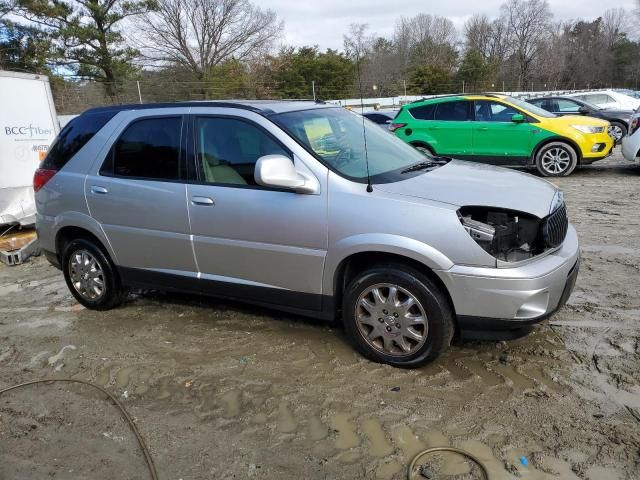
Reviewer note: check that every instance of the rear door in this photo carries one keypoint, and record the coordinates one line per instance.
(450, 129)
(496, 138)
(138, 195)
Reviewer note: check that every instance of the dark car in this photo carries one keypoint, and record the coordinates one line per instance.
(383, 118)
(619, 119)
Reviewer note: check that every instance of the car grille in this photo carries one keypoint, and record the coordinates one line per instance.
(554, 227)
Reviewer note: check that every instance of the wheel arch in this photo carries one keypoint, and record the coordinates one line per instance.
(422, 143)
(357, 262)
(69, 233)
(556, 138)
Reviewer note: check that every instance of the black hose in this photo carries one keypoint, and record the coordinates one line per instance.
(446, 449)
(143, 446)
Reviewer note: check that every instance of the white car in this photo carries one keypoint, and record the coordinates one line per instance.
(608, 99)
(631, 143)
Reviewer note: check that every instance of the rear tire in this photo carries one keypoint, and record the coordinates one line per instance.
(382, 328)
(90, 275)
(618, 131)
(425, 149)
(556, 159)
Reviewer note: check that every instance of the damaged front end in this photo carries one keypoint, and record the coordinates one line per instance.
(511, 236)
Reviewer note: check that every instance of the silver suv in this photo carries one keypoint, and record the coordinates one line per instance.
(304, 207)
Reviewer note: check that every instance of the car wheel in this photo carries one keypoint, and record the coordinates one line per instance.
(90, 275)
(424, 149)
(556, 159)
(394, 314)
(617, 131)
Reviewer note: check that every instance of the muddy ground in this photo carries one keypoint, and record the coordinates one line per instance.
(222, 390)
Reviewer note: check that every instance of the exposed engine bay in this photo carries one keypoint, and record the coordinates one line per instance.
(507, 235)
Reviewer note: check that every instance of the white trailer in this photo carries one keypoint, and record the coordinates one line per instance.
(28, 125)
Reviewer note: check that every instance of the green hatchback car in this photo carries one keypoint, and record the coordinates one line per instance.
(501, 130)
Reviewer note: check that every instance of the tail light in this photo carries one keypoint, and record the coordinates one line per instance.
(41, 177)
(395, 126)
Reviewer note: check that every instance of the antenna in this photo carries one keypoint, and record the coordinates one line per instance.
(364, 130)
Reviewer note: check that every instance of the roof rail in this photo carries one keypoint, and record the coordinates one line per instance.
(449, 95)
(204, 103)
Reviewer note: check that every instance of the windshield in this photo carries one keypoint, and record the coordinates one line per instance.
(529, 107)
(335, 135)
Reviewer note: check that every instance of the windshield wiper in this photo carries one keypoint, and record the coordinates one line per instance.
(424, 165)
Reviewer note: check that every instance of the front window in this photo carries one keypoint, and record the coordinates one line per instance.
(337, 137)
(529, 107)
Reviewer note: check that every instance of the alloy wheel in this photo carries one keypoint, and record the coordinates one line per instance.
(86, 275)
(391, 319)
(556, 160)
(615, 132)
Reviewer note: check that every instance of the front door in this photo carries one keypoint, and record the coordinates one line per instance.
(138, 197)
(497, 138)
(250, 241)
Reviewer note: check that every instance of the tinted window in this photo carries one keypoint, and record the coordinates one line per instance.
(73, 137)
(149, 149)
(489, 111)
(424, 112)
(453, 111)
(228, 150)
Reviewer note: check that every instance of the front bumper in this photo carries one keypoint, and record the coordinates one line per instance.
(513, 297)
(603, 140)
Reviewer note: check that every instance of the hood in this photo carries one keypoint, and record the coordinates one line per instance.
(463, 183)
(569, 120)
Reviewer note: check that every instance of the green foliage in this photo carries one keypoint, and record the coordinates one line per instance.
(474, 69)
(293, 70)
(24, 48)
(430, 80)
(86, 37)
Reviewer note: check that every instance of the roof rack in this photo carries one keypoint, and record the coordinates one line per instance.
(250, 105)
(449, 95)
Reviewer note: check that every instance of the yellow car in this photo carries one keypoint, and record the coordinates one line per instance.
(504, 131)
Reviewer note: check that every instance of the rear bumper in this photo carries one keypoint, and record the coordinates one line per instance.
(493, 298)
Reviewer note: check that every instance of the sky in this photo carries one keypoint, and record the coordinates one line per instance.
(323, 22)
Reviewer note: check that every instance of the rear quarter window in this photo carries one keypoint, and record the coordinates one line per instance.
(423, 112)
(73, 137)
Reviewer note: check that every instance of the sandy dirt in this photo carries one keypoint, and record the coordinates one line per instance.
(222, 390)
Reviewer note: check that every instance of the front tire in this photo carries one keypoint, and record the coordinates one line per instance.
(396, 315)
(617, 131)
(556, 159)
(90, 275)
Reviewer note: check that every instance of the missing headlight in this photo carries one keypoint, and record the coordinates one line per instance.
(505, 234)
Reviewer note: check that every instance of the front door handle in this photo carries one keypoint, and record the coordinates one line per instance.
(482, 128)
(99, 190)
(202, 201)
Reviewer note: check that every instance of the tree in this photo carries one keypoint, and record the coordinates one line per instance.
(24, 48)
(528, 23)
(199, 35)
(430, 80)
(474, 69)
(86, 35)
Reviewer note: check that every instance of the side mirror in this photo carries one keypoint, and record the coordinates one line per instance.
(517, 118)
(278, 171)
(583, 110)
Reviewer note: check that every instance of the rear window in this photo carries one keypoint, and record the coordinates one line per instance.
(456, 111)
(424, 112)
(147, 149)
(73, 137)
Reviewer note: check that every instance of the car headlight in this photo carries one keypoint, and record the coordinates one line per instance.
(507, 235)
(557, 202)
(588, 128)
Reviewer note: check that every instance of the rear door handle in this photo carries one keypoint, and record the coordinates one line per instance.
(202, 201)
(99, 190)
